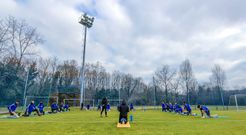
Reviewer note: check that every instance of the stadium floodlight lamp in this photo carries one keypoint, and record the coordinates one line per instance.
(87, 22)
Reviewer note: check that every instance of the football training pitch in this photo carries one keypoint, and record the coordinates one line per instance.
(151, 122)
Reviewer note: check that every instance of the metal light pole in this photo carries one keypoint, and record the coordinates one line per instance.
(87, 22)
(24, 95)
(154, 92)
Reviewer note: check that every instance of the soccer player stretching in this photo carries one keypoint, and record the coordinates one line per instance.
(12, 109)
(203, 110)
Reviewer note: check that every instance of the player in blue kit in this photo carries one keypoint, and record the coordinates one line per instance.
(12, 109)
(108, 107)
(187, 108)
(66, 107)
(203, 110)
(163, 106)
(31, 108)
(54, 108)
(178, 108)
(170, 107)
(131, 107)
(41, 107)
(61, 109)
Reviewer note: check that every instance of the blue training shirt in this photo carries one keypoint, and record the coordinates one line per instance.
(170, 106)
(187, 107)
(108, 106)
(31, 107)
(12, 107)
(163, 105)
(66, 106)
(204, 108)
(131, 106)
(41, 106)
(54, 106)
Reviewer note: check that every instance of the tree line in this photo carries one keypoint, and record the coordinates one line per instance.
(21, 68)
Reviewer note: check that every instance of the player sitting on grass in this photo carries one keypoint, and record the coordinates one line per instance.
(187, 108)
(203, 110)
(41, 107)
(123, 109)
(31, 108)
(178, 108)
(167, 107)
(61, 109)
(163, 106)
(54, 108)
(104, 105)
(66, 107)
(99, 107)
(131, 107)
(88, 107)
(12, 109)
(170, 107)
(108, 107)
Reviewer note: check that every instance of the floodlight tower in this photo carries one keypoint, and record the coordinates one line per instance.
(87, 22)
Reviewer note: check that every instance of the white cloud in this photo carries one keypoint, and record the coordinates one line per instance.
(138, 36)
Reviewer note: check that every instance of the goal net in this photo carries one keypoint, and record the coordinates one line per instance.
(237, 102)
(76, 102)
(47, 100)
(112, 102)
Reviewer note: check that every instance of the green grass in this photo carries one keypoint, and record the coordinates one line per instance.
(151, 122)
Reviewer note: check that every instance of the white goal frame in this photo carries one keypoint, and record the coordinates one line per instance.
(110, 100)
(76, 99)
(235, 96)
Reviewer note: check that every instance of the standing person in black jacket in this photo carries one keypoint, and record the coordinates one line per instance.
(123, 109)
(104, 105)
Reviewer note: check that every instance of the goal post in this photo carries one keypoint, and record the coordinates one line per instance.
(238, 100)
(45, 99)
(112, 102)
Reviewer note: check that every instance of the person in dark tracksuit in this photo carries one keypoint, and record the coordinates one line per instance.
(81, 106)
(104, 106)
(123, 109)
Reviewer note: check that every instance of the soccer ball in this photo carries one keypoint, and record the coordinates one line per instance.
(194, 114)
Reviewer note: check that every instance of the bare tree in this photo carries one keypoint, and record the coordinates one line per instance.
(22, 39)
(68, 73)
(44, 76)
(175, 87)
(164, 77)
(4, 29)
(116, 80)
(186, 75)
(217, 79)
(129, 85)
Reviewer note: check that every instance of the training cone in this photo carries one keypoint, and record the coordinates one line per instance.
(127, 125)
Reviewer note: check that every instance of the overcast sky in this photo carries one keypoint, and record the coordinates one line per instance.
(139, 36)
